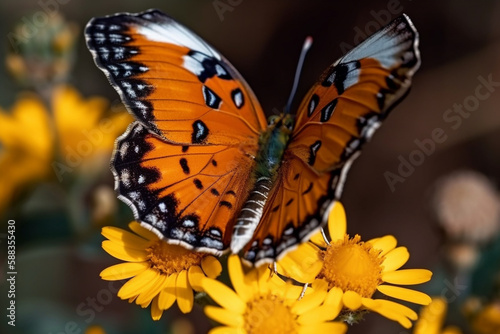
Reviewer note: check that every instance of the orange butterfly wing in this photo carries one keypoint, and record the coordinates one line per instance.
(184, 165)
(188, 194)
(337, 116)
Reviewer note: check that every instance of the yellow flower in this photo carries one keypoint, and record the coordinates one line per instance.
(488, 320)
(263, 303)
(354, 270)
(85, 128)
(159, 273)
(25, 146)
(95, 329)
(75, 134)
(432, 318)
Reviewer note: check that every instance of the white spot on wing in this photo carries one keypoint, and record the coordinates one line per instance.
(173, 33)
(141, 205)
(188, 223)
(125, 177)
(192, 65)
(123, 149)
(163, 207)
(238, 99)
(352, 77)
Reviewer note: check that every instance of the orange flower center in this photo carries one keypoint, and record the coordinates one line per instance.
(268, 314)
(352, 265)
(170, 259)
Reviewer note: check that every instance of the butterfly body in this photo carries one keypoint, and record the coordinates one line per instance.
(202, 168)
(272, 145)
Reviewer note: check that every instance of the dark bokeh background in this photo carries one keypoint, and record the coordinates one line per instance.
(460, 41)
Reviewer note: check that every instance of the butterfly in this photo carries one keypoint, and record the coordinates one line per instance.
(202, 168)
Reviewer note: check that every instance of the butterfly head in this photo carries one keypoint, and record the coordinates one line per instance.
(283, 122)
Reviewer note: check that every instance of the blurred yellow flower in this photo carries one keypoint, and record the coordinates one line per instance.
(264, 303)
(159, 273)
(75, 134)
(353, 270)
(25, 145)
(95, 329)
(432, 317)
(487, 321)
(86, 130)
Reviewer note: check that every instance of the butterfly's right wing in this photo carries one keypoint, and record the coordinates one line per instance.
(337, 117)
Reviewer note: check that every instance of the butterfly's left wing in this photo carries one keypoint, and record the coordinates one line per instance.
(338, 115)
(184, 166)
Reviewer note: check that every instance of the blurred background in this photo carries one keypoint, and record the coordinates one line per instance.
(429, 177)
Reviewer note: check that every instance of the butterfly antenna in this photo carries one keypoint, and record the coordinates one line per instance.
(305, 48)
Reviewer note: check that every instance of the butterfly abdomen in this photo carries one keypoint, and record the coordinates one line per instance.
(251, 213)
(272, 144)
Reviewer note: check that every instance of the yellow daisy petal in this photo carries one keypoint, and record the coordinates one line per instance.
(167, 296)
(293, 292)
(284, 289)
(334, 301)
(195, 276)
(123, 270)
(302, 264)
(316, 315)
(320, 284)
(337, 225)
(409, 295)
(378, 307)
(351, 300)
(309, 302)
(142, 231)
(399, 308)
(223, 295)
(123, 237)
(326, 327)
(407, 276)
(385, 244)
(143, 303)
(225, 317)
(238, 278)
(145, 297)
(263, 277)
(211, 266)
(318, 239)
(156, 313)
(395, 259)
(124, 253)
(135, 285)
(431, 317)
(184, 293)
